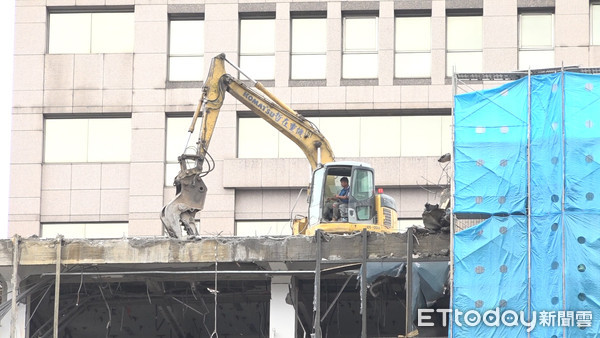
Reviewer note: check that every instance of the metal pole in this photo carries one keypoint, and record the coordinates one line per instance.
(317, 289)
(363, 285)
(452, 192)
(336, 298)
(254, 82)
(408, 310)
(529, 197)
(59, 239)
(14, 281)
(187, 272)
(562, 207)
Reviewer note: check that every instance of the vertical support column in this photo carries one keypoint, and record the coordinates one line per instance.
(363, 284)
(452, 231)
(564, 194)
(281, 313)
(409, 275)
(59, 240)
(317, 290)
(334, 41)
(15, 282)
(529, 206)
(282, 46)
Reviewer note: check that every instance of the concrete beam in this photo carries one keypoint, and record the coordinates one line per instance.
(338, 248)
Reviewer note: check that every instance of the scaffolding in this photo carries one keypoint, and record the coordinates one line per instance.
(462, 221)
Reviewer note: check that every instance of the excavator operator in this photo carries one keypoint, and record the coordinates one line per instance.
(337, 206)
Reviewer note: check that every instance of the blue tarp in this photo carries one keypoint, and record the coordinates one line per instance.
(553, 239)
(490, 153)
(490, 272)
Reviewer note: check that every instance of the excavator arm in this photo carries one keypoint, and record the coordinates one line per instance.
(190, 189)
(263, 103)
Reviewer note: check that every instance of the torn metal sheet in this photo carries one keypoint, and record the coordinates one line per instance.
(429, 280)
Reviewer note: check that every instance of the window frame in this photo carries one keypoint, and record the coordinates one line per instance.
(175, 18)
(535, 49)
(398, 51)
(320, 16)
(47, 118)
(520, 42)
(463, 51)
(359, 52)
(89, 10)
(170, 162)
(594, 41)
(244, 55)
(366, 145)
(248, 222)
(85, 230)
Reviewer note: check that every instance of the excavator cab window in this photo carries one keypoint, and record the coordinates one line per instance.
(363, 194)
(317, 190)
(333, 186)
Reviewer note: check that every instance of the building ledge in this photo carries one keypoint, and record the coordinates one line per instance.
(288, 249)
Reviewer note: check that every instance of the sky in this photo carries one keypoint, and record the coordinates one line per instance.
(7, 21)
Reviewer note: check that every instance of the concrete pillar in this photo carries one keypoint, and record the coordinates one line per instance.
(282, 319)
(21, 317)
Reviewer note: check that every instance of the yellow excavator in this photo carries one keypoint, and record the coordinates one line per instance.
(362, 207)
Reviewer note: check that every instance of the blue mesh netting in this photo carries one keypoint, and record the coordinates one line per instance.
(560, 248)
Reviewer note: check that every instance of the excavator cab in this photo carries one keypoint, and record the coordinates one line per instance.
(365, 208)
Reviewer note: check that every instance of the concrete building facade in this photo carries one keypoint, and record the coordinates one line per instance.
(103, 95)
(376, 70)
(134, 88)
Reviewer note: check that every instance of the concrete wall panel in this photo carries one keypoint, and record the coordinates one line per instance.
(154, 36)
(118, 71)
(34, 38)
(56, 177)
(56, 203)
(58, 71)
(87, 101)
(85, 203)
(115, 176)
(85, 176)
(572, 30)
(114, 202)
(89, 70)
(150, 71)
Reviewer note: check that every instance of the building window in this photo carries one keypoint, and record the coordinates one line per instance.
(177, 136)
(359, 60)
(186, 50)
(82, 33)
(413, 47)
(259, 139)
(595, 23)
(263, 228)
(257, 48)
(87, 140)
(376, 136)
(85, 230)
(536, 40)
(309, 48)
(464, 44)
